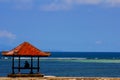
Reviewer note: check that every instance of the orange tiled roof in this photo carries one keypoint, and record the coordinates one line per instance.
(25, 49)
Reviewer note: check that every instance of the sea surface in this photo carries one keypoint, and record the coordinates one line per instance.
(71, 64)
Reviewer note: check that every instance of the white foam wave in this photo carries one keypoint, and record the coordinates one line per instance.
(65, 58)
(95, 60)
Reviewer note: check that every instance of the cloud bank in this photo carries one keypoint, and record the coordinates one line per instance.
(69, 4)
(52, 5)
(6, 34)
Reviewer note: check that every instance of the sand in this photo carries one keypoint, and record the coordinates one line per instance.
(58, 78)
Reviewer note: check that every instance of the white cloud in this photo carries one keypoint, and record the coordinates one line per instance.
(98, 42)
(68, 4)
(82, 1)
(6, 34)
(51, 5)
(113, 3)
(92, 2)
(56, 5)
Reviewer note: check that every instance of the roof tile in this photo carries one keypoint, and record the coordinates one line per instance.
(25, 49)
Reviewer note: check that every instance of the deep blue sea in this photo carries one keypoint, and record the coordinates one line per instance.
(71, 64)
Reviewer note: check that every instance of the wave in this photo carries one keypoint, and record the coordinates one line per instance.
(83, 60)
(65, 58)
(99, 61)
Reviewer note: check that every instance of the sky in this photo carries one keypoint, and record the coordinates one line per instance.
(61, 25)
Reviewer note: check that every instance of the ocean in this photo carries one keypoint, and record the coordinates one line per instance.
(71, 64)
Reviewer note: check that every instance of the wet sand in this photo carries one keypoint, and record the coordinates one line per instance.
(58, 78)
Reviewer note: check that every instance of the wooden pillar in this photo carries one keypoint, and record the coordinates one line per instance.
(31, 65)
(38, 65)
(13, 65)
(19, 65)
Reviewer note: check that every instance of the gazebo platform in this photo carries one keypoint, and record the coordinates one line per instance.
(25, 75)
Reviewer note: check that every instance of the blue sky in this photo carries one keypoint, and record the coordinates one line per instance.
(61, 25)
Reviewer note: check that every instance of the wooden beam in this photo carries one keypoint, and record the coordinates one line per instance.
(19, 65)
(13, 65)
(38, 65)
(31, 65)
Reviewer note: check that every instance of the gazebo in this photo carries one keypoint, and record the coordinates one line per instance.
(25, 50)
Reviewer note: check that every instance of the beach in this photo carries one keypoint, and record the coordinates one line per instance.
(58, 78)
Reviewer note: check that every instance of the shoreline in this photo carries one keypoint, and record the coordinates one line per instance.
(59, 78)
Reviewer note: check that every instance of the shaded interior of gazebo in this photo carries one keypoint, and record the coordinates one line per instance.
(25, 50)
(19, 67)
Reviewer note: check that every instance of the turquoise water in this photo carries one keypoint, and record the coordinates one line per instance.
(71, 64)
(82, 68)
(70, 67)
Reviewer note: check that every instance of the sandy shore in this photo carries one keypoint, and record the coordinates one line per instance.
(58, 78)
